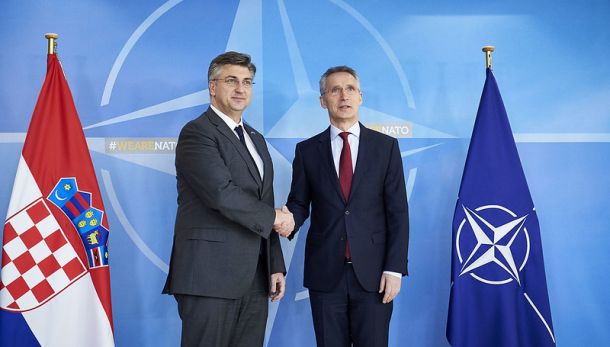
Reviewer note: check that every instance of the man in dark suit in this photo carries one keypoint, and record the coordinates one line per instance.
(225, 260)
(356, 250)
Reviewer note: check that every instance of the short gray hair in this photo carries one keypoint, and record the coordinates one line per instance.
(332, 70)
(230, 58)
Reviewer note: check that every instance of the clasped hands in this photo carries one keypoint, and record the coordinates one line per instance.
(284, 221)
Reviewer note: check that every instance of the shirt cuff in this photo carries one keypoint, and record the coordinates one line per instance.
(392, 273)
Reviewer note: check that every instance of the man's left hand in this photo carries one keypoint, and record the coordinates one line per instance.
(390, 286)
(277, 286)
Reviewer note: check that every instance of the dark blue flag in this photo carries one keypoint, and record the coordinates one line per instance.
(498, 286)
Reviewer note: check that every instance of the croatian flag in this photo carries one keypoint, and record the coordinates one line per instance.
(498, 286)
(54, 279)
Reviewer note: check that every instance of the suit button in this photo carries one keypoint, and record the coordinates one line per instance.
(346, 213)
(342, 238)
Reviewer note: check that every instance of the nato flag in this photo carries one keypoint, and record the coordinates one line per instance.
(498, 286)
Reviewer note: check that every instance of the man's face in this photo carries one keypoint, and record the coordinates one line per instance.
(342, 98)
(230, 99)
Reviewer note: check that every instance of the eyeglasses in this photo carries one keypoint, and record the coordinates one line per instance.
(234, 82)
(349, 90)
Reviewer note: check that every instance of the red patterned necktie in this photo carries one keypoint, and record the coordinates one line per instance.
(345, 178)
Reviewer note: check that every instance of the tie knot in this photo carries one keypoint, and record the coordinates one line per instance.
(240, 133)
(344, 135)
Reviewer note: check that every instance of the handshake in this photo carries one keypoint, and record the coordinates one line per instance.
(284, 221)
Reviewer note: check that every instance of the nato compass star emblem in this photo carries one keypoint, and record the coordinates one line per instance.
(497, 251)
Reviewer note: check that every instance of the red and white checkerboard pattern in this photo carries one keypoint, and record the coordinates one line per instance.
(37, 260)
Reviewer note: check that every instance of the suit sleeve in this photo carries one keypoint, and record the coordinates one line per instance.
(199, 162)
(277, 258)
(300, 195)
(397, 214)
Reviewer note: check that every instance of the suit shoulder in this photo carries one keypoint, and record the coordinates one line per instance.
(198, 124)
(380, 137)
(314, 139)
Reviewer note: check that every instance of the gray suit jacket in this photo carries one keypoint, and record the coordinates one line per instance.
(224, 211)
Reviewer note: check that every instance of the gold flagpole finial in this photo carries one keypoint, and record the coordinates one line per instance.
(51, 37)
(488, 50)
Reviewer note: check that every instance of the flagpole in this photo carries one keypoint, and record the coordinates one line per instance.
(51, 37)
(488, 50)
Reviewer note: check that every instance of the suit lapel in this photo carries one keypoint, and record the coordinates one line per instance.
(326, 156)
(241, 149)
(364, 158)
(263, 152)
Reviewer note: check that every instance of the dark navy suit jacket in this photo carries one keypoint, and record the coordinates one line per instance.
(375, 220)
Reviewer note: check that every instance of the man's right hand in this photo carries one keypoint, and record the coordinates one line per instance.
(284, 221)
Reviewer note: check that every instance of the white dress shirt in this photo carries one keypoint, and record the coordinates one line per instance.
(336, 145)
(249, 144)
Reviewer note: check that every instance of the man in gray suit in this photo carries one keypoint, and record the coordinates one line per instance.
(226, 261)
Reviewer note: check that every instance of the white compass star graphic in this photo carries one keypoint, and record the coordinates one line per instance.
(496, 251)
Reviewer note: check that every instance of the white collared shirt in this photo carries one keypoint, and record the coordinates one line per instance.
(336, 145)
(249, 144)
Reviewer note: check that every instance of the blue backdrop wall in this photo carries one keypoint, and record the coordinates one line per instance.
(137, 71)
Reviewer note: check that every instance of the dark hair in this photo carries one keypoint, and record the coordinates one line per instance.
(230, 58)
(332, 70)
